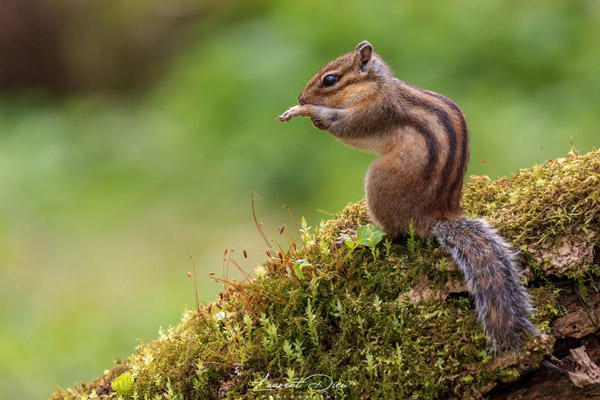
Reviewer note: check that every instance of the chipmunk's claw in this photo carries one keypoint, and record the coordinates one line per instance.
(289, 113)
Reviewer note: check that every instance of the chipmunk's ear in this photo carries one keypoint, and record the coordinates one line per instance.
(363, 51)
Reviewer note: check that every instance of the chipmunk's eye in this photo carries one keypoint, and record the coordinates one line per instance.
(330, 80)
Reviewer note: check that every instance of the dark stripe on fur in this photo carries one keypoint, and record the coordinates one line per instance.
(444, 118)
(464, 154)
(432, 145)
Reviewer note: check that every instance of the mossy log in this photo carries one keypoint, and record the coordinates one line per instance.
(393, 320)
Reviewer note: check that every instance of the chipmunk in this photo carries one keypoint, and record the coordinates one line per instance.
(422, 141)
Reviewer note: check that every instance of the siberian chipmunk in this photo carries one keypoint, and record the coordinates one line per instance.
(422, 141)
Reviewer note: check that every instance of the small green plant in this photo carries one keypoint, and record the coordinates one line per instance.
(412, 242)
(291, 377)
(298, 265)
(314, 285)
(311, 318)
(377, 303)
(287, 349)
(388, 247)
(305, 232)
(123, 384)
(198, 379)
(248, 323)
(370, 363)
(170, 393)
(269, 341)
(366, 235)
(298, 351)
(361, 322)
(338, 309)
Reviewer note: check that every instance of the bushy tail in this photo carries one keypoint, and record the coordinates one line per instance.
(492, 277)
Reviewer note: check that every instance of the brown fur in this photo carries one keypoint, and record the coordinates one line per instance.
(422, 141)
(420, 135)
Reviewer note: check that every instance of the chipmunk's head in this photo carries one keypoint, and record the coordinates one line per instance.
(350, 79)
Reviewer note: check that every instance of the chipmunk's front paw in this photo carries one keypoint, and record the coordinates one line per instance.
(318, 124)
(291, 112)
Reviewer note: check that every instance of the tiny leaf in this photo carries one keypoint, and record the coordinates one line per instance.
(369, 235)
(123, 384)
(298, 267)
(348, 241)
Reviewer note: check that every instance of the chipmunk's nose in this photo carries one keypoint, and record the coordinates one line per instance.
(301, 100)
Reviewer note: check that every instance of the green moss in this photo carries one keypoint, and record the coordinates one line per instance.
(351, 320)
(541, 206)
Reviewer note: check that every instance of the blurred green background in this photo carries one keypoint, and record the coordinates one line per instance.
(132, 136)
